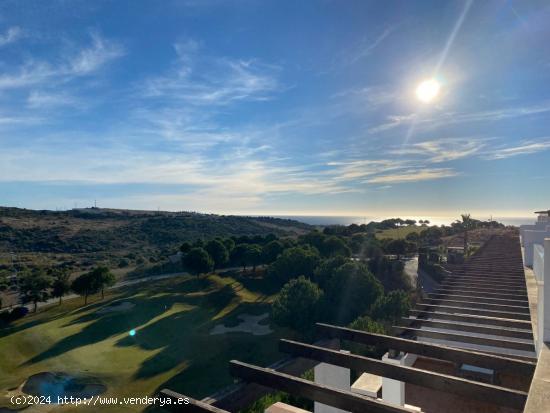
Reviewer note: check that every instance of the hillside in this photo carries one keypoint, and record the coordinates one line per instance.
(95, 233)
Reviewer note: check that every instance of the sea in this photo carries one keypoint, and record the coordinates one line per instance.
(434, 220)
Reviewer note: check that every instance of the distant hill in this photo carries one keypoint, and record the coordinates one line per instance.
(116, 232)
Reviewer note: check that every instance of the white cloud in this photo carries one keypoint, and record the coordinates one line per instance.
(526, 147)
(442, 150)
(446, 118)
(39, 99)
(357, 169)
(205, 80)
(11, 35)
(414, 175)
(92, 58)
(84, 62)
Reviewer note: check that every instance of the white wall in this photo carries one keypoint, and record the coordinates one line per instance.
(543, 293)
(531, 237)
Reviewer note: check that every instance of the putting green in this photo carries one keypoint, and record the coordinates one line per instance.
(171, 346)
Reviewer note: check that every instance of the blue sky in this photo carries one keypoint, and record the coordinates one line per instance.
(276, 107)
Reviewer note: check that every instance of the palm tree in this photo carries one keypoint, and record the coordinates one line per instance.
(466, 224)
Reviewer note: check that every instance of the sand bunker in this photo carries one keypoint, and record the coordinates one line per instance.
(56, 384)
(114, 308)
(249, 324)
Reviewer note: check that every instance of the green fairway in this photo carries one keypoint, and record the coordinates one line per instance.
(399, 233)
(172, 346)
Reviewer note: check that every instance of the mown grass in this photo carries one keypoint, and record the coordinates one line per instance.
(172, 346)
(399, 233)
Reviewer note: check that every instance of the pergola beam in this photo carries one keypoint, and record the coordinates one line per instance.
(465, 338)
(472, 318)
(489, 330)
(473, 292)
(477, 311)
(480, 299)
(437, 381)
(491, 288)
(437, 351)
(480, 305)
(331, 396)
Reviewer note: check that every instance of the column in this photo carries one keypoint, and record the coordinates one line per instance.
(393, 391)
(334, 376)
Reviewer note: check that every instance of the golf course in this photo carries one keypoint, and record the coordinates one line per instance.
(178, 333)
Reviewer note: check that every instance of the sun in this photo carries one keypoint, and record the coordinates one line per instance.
(428, 90)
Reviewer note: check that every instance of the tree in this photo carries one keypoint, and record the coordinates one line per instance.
(467, 224)
(3, 283)
(34, 286)
(198, 261)
(294, 262)
(238, 255)
(390, 273)
(323, 273)
(399, 247)
(350, 293)
(103, 278)
(271, 251)
(313, 238)
(392, 306)
(218, 252)
(185, 247)
(253, 255)
(334, 246)
(365, 323)
(85, 285)
(297, 305)
(61, 284)
(229, 244)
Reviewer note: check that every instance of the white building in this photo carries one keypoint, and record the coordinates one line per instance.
(534, 234)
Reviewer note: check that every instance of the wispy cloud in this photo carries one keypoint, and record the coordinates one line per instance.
(207, 80)
(525, 148)
(367, 46)
(11, 35)
(84, 62)
(414, 175)
(356, 169)
(92, 58)
(447, 118)
(41, 99)
(442, 150)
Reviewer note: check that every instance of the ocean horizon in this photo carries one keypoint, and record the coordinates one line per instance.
(436, 220)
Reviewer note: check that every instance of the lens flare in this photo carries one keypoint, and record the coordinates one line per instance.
(132, 333)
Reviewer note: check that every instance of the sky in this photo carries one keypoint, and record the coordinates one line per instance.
(276, 107)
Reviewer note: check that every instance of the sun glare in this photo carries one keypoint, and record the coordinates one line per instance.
(428, 90)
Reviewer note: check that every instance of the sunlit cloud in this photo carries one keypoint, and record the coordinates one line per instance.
(442, 150)
(525, 148)
(447, 118)
(414, 175)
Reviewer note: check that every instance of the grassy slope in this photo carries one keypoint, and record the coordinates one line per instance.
(172, 347)
(399, 233)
